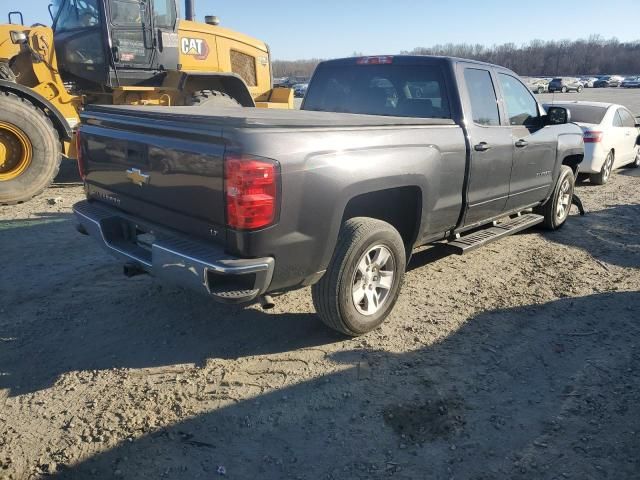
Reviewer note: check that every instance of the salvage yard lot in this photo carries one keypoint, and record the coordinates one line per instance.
(519, 360)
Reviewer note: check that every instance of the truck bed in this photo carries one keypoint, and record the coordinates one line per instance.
(263, 118)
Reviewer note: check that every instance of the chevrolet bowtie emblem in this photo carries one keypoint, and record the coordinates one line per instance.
(137, 177)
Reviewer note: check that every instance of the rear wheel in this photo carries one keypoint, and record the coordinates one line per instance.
(605, 172)
(556, 210)
(212, 99)
(564, 89)
(362, 283)
(540, 90)
(579, 90)
(29, 150)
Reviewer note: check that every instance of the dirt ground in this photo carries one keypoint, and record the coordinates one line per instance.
(520, 360)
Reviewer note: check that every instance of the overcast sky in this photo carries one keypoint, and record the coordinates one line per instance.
(332, 28)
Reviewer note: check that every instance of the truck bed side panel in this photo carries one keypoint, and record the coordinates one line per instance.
(318, 183)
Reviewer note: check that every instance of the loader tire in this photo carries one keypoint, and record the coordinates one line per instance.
(30, 150)
(213, 99)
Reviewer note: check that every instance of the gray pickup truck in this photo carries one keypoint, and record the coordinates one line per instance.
(387, 154)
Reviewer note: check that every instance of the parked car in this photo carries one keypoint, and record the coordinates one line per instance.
(300, 89)
(335, 195)
(607, 81)
(587, 82)
(564, 85)
(538, 85)
(288, 82)
(631, 82)
(611, 135)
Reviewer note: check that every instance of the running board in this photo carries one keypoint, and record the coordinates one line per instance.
(467, 243)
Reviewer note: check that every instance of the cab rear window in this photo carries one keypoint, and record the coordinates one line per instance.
(391, 90)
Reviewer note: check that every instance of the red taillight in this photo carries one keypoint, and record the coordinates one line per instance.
(251, 191)
(81, 167)
(592, 136)
(385, 60)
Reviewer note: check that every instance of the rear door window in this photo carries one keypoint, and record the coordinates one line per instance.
(482, 95)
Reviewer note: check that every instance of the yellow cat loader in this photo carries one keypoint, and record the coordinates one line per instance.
(116, 52)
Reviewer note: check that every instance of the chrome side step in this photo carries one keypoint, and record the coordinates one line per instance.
(467, 243)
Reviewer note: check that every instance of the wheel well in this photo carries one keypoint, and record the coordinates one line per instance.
(573, 161)
(59, 123)
(400, 207)
(230, 84)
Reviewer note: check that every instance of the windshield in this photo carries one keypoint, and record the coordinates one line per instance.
(75, 14)
(392, 90)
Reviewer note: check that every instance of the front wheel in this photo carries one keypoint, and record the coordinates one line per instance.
(579, 90)
(362, 283)
(636, 162)
(556, 210)
(564, 89)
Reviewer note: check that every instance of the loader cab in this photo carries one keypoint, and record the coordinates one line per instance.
(115, 42)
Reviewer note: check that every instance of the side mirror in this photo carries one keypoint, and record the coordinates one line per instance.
(17, 37)
(558, 115)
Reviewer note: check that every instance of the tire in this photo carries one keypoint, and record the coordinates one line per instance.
(579, 90)
(540, 90)
(556, 210)
(212, 98)
(636, 162)
(29, 147)
(605, 172)
(334, 297)
(564, 90)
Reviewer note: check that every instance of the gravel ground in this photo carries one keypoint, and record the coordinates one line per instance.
(518, 360)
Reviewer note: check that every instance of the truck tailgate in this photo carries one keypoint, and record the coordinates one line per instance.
(164, 165)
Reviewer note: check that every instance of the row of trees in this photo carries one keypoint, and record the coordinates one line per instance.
(593, 56)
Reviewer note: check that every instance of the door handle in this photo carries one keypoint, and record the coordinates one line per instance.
(521, 143)
(482, 147)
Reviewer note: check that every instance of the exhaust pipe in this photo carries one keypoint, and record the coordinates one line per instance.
(266, 302)
(189, 10)
(132, 270)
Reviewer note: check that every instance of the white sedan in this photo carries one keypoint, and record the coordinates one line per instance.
(611, 137)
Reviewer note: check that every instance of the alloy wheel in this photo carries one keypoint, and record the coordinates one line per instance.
(373, 279)
(564, 200)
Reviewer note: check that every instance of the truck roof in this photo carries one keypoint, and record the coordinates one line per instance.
(409, 60)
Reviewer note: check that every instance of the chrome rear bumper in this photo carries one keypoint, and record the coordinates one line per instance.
(175, 258)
